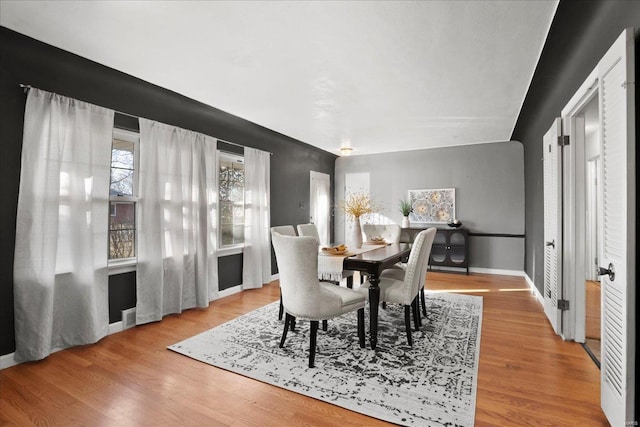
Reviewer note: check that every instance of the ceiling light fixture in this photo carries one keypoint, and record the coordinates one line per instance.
(346, 151)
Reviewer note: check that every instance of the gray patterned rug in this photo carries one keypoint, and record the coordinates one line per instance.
(432, 383)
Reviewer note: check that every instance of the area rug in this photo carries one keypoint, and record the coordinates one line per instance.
(432, 383)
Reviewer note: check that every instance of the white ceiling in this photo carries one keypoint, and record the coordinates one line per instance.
(379, 76)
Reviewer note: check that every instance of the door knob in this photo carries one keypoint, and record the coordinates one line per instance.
(611, 272)
(552, 243)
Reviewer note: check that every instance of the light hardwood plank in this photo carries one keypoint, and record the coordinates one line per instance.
(527, 375)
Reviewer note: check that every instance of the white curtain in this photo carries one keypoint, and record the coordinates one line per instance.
(256, 262)
(61, 249)
(177, 209)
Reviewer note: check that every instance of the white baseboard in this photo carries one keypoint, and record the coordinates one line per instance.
(496, 271)
(115, 327)
(239, 288)
(7, 361)
(229, 291)
(534, 290)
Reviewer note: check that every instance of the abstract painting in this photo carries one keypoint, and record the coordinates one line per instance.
(433, 206)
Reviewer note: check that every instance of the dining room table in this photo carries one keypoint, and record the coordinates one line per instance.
(372, 260)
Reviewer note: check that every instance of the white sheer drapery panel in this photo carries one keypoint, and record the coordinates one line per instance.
(256, 269)
(61, 250)
(177, 227)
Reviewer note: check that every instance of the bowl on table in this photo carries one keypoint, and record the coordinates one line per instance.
(377, 240)
(455, 223)
(334, 250)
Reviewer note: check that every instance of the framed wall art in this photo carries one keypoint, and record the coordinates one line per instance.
(432, 206)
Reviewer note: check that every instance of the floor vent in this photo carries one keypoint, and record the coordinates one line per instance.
(128, 318)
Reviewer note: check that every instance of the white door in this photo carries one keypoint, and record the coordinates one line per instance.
(319, 209)
(552, 160)
(617, 111)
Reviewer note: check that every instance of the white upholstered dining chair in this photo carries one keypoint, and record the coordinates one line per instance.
(308, 230)
(285, 230)
(397, 272)
(389, 232)
(406, 290)
(312, 231)
(304, 296)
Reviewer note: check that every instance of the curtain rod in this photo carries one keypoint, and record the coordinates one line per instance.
(26, 88)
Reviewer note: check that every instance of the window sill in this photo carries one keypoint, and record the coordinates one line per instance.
(130, 264)
(230, 250)
(122, 266)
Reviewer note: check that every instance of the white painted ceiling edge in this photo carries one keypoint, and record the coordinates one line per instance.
(376, 76)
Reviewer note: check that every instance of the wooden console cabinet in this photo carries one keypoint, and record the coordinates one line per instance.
(450, 246)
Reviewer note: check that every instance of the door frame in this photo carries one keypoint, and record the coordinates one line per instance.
(319, 176)
(574, 220)
(617, 393)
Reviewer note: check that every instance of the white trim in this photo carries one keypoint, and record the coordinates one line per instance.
(534, 289)
(574, 206)
(230, 250)
(115, 327)
(497, 271)
(229, 291)
(7, 361)
(122, 266)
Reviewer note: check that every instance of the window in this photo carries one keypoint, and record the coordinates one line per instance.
(123, 196)
(231, 200)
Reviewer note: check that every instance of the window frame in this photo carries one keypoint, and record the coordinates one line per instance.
(124, 265)
(236, 248)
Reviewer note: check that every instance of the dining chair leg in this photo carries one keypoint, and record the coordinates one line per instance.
(287, 320)
(324, 325)
(422, 301)
(407, 324)
(281, 309)
(293, 323)
(361, 327)
(312, 343)
(350, 282)
(416, 313)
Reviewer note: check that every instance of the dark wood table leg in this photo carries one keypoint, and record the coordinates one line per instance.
(374, 300)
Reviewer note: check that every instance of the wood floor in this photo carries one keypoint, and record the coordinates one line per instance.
(527, 376)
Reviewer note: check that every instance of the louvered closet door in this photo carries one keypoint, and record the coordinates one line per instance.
(552, 221)
(616, 74)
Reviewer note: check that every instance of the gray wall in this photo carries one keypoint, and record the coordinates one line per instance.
(580, 34)
(489, 183)
(25, 60)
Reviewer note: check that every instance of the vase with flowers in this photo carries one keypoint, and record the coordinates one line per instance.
(406, 209)
(354, 206)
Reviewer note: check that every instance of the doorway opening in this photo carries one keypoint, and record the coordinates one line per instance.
(593, 228)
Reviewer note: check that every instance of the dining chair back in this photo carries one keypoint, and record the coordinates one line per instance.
(389, 232)
(312, 231)
(417, 264)
(308, 230)
(303, 296)
(285, 230)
